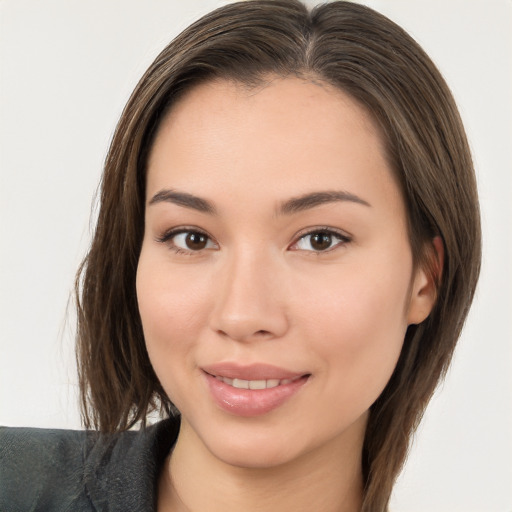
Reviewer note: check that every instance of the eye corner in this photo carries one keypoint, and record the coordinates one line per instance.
(187, 240)
(327, 240)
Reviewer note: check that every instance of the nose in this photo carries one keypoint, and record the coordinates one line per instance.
(250, 304)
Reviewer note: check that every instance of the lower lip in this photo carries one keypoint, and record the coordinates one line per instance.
(251, 402)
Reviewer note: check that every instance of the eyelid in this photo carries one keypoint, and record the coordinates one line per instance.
(337, 233)
(166, 237)
(342, 235)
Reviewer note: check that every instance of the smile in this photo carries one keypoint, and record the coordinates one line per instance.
(252, 390)
(255, 384)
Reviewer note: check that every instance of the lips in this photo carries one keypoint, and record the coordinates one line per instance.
(255, 384)
(252, 390)
(257, 371)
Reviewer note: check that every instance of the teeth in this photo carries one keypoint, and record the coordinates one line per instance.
(240, 384)
(255, 384)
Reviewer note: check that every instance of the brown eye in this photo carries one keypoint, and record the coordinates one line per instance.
(321, 241)
(196, 241)
(188, 241)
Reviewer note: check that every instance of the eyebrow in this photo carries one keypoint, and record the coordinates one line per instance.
(289, 207)
(307, 201)
(183, 199)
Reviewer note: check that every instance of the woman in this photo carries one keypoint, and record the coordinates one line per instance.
(287, 247)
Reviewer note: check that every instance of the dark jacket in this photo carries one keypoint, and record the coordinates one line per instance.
(65, 470)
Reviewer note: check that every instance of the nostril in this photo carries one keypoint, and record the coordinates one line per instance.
(262, 333)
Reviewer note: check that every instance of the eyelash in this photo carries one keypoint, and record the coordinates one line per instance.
(167, 238)
(343, 239)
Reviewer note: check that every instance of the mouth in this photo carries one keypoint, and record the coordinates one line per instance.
(252, 390)
(257, 384)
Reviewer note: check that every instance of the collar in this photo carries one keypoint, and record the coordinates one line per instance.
(121, 470)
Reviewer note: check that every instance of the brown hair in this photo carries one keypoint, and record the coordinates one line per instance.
(369, 57)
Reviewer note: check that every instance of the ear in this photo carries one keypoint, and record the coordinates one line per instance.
(425, 283)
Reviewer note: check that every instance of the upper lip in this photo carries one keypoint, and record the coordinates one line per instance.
(256, 371)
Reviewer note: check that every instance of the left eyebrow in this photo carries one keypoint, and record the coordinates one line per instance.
(311, 200)
(183, 199)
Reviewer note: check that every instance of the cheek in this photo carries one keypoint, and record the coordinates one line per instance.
(358, 326)
(173, 313)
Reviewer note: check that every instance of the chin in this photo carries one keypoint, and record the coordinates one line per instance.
(254, 446)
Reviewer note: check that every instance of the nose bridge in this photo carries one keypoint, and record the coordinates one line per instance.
(248, 304)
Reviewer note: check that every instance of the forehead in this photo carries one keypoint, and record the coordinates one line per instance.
(275, 102)
(282, 139)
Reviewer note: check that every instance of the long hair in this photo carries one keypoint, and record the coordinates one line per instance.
(380, 66)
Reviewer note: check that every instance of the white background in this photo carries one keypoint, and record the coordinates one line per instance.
(67, 68)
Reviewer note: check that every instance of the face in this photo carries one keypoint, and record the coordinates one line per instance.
(276, 281)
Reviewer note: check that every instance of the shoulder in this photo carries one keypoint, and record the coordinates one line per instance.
(53, 470)
(41, 466)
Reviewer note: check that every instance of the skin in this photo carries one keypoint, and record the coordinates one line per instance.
(260, 292)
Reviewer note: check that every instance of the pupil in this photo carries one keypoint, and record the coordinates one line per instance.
(321, 241)
(196, 241)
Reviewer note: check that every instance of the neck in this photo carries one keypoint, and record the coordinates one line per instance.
(327, 479)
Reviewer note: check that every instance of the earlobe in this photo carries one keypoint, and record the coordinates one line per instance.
(426, 282)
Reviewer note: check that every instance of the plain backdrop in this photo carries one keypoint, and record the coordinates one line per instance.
(67, 68)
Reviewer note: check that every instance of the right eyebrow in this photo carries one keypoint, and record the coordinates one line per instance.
(183, 199)
(313, 199)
